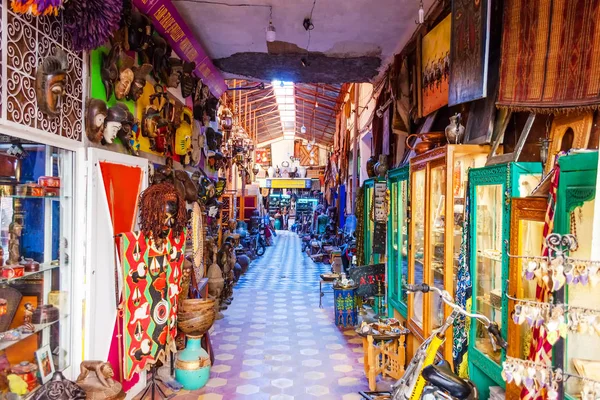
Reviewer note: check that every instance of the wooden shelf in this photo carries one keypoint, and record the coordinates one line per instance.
(38, 328)
(43, 268)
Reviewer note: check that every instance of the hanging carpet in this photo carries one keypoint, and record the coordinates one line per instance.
(152, 282)
(550, 55)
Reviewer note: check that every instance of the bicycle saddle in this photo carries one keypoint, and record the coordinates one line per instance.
(441, 376)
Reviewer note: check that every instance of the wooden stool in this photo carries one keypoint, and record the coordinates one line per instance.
(385, 355)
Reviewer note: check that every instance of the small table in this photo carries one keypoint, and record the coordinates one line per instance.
(385, 355)
(325, 278)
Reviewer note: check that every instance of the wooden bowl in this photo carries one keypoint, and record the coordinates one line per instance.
(197, 305)
(197, 326)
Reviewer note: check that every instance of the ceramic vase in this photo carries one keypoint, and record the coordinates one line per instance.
(192, 366)
(271, 172)
(301, 172)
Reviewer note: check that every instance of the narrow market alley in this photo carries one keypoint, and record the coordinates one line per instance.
(275, 342)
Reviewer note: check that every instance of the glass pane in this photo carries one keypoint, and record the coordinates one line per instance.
(35, 237)
(586, 296)
(403, 239)
(370, 226)
(418, 217)
(488, 246)
(437, 243)
(531, 235)
(394, 240)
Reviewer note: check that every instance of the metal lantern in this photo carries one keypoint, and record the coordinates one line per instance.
(227, 120)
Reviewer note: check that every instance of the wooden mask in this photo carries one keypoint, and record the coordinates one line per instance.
(50, 83)
(95, 116)
(109, 71)
(113, 123)
(176, 67)
(126, 134)
(139, 31)
(126, 77)
(188, 80)
(139, 81)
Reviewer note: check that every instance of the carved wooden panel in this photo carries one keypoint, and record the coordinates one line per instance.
(579, 123)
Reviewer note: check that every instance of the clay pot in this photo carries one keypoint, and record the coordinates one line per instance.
(215, 280)
(244, 262)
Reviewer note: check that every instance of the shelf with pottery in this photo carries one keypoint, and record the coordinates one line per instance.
(4, 344)
(43, 268)
(437, 191)
(40, 230)
(490, 192)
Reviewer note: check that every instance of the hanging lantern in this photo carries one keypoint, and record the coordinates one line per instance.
(227, 120)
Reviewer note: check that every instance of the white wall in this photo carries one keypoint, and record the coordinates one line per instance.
(282, 151)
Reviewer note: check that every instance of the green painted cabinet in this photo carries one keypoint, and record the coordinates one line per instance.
(490, 191)
(368, 223)
(397, 239)
(574, 214)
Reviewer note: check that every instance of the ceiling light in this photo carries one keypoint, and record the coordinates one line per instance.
(421, 13)
(303, 129)
(271, 35)
(316, 104)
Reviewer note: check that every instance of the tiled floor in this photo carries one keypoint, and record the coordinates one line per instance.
(276, 343)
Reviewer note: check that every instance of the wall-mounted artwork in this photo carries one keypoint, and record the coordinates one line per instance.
(469, 48)
(435, 66)
(262, 156)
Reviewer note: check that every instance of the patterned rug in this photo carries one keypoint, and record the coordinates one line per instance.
(550, 55)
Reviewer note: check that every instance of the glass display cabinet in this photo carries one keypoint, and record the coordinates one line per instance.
(575, 201)
(437, 188)
(490, 191)
(526, 239)
(36, 238)
(397, 239)
(369, 224)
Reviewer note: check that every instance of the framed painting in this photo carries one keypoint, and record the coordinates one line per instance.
(469, 50)
(435, 64)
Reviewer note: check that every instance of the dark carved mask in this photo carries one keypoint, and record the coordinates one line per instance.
(50, 83)
(126, 133)
(113, 123)
(139, 31)
(176, 73)
(139, 81)
(96, 112)
(188, 81)
(109, 70)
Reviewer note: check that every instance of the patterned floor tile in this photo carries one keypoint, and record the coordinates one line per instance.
(275, 343)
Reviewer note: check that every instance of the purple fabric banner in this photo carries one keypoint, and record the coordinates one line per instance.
(170, 25)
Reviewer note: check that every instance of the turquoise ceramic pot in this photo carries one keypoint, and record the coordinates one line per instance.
(192, 366)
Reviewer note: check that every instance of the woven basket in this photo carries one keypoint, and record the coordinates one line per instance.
(196, 305)
(197, 326)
